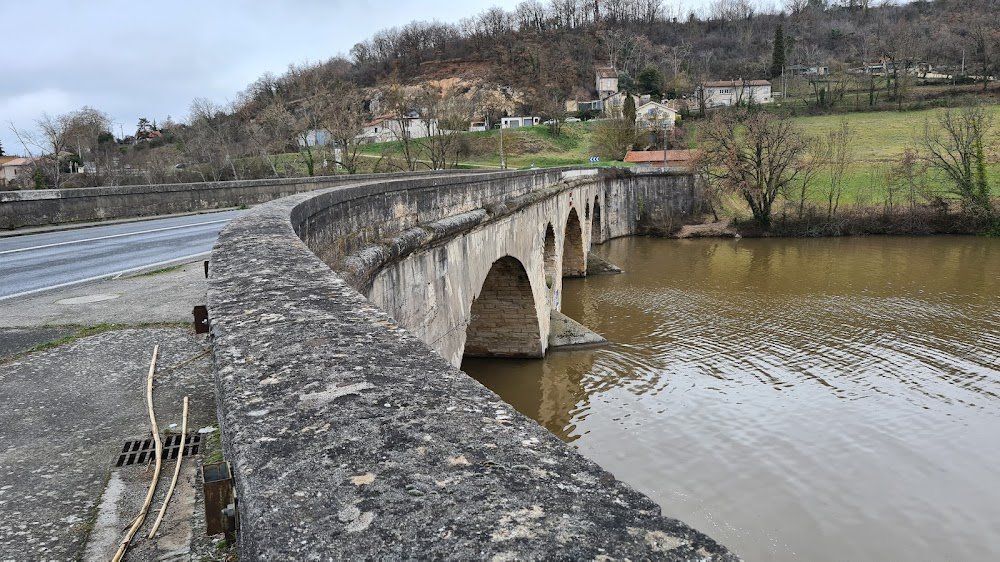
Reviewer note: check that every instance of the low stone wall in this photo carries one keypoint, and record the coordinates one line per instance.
(27, 208)
(351, 439)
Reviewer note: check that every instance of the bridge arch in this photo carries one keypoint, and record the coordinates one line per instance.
(503, 318)
(596, 234)
(574, 254)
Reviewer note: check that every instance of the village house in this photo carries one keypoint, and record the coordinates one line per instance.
(606, 87)
(389, 127)
(614, 105)
(512, 122)
(478, 126)
(655, 115)
(315, 137)
(606, 82)
(726, 93)
(807, 70)
(15, 171)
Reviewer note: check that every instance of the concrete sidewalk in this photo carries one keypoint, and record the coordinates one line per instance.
(73, 368)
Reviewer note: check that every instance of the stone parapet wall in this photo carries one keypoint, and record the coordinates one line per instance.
(351, 439)
(28, 208)
(338, 223)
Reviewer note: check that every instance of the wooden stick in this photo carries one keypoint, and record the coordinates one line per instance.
(177, 471)
(123, 546)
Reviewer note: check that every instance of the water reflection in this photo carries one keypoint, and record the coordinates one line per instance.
(797, 399)
(552, 392)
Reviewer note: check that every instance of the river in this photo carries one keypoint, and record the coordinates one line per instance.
(829, 399)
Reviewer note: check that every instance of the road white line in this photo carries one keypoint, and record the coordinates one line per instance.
(114, 274)
(112, 236)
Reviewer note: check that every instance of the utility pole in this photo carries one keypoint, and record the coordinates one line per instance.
(503, 161)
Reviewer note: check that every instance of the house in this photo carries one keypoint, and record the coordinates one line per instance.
(315, 137)
(726, 93)
(806, 70)
(606, 83)
(390, 127)
(16, 171)
(614, 104)
(511, 122)
(574, 106)
(655, 115)
(483, 125)
(677, 159)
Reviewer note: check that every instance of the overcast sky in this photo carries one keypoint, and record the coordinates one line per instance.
(134, 58)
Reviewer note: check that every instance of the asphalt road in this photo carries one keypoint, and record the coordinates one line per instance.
(40, 262)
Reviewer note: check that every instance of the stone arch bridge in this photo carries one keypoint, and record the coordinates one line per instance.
(490, 291)
(338, 319)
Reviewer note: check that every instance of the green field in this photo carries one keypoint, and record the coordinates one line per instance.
(880, 141)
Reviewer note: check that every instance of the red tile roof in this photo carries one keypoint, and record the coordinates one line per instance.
(19, 162)
(655, 157)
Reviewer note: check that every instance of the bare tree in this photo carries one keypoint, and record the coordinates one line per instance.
(345, 121)
(445, 115)
(839, 148)
(955, 146)
(51, 140)
(753, 154)
(269, 132)
(613, 138)
(815, 157)
(401, 105)
(211, 139)
(984, 40)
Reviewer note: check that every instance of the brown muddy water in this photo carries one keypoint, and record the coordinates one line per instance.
(831, 399)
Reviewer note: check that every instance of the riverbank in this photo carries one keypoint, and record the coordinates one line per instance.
(854, 221)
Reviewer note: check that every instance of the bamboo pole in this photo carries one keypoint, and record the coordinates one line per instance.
(177, 471)
(123, 546)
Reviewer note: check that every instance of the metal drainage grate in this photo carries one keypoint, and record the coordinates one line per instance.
(143, 451)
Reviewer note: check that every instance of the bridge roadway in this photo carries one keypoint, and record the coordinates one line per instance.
(39, 262)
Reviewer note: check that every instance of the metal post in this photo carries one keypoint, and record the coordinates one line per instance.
(503, 161)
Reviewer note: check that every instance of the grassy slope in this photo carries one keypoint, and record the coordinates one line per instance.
(523, 147)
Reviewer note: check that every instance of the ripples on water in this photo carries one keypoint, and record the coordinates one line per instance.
(795, 399)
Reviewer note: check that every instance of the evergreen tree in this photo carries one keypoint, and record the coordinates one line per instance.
(628, 109)
(1, 148)
(778, 55)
